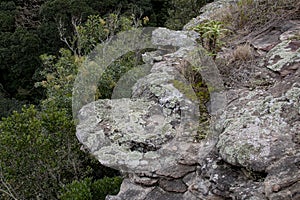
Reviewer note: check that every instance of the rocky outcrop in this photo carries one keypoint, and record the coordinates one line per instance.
(152, 136)
(252, 148)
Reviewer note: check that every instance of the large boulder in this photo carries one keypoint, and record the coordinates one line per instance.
(147, 132)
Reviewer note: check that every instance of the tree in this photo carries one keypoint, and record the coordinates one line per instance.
(20, 47)
(58, 78)
(19, 61)
(7, 16)
(39, 153)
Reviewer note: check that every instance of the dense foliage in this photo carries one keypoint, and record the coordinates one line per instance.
(39, 153)
(88, 189)
(29, 29)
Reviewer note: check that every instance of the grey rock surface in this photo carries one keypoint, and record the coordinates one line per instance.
(280, 47)
(256, 131)
(284, 55)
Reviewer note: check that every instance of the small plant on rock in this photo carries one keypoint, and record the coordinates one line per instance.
(211, 33)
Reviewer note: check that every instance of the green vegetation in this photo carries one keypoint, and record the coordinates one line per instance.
(198, 92)
(45, 26)
(115, 71)
(8, 105)
(211, 33)
(39, 152)
(42, 45)
(87, 189)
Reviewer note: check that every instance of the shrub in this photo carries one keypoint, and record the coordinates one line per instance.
(78, 190)
(59, 75)
(87, 189)
(199, 93)
(102, 187)
(7, 105)
(243, 52)
(211, 33)
(115, 71)
(39, 152)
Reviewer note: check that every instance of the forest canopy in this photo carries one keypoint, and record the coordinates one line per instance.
(31, 28)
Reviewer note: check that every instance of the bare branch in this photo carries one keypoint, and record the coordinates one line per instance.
(61, 31)
(9, 191)
(76, 22)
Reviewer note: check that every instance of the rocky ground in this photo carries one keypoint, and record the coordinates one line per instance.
(252, 149)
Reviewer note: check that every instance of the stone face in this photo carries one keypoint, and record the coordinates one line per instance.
(280, 47)
(160, 194)
(172, 185)
(145, 181)
(129, 190)
(177, 171)
(284, 55)
(135, 134)
(255, 132)
(154, 128)
(150, 135)
(286, 31)
(166, 37)
(283, 180)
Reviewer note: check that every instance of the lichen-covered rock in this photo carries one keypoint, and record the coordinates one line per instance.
(280, 47)
(256, 133)
(129, 190)
(269, 38)
(283, 180)
(156, 126)
(135, 134)
(285, 55)
(166, 37)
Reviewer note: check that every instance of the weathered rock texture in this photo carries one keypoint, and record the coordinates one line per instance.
(208, 11)
(252, 150)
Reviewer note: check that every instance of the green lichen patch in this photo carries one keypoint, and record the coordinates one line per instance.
(282, 55)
